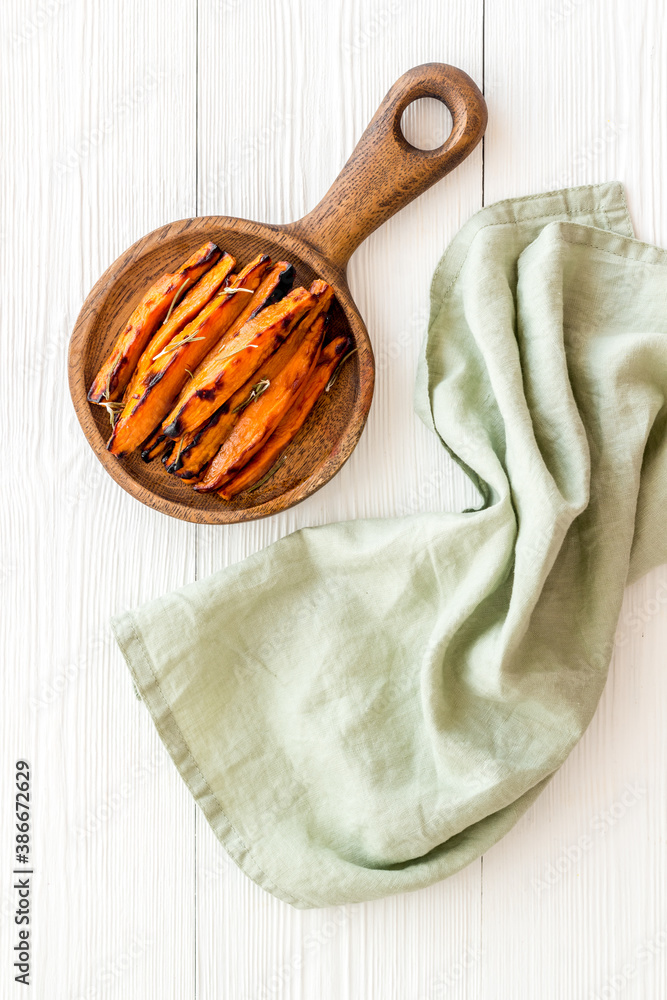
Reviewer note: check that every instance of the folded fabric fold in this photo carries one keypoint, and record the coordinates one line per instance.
(364, 708)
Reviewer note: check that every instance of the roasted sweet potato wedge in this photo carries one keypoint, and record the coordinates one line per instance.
(258, 421)
(270, 453)
(275, 285)
(172, 367)
(182, 314)
(227, 370)
(113, 377)
(199, 447)
(154, 446)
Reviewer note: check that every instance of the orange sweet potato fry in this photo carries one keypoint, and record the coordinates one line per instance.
(274, 287)
(186, 310)
(154, 446)
(171, 368)
(227, 370)
(258, 421)
(269, 454)
(111, 380)
(198, 448)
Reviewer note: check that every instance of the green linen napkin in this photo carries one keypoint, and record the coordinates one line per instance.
(364, 708)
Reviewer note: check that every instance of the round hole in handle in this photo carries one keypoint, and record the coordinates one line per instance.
(426, 123)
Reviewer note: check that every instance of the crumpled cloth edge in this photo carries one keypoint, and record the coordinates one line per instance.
(144, 675)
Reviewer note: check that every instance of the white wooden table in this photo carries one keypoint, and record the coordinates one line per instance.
(117, 118)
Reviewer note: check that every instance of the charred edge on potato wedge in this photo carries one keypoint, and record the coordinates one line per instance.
(201, 445)
(166, 375)
(263, 415)
(271, 290)
(275, 447)
(285, 280)
(224, 373)
(155, 445)
(213, 281)
(116, 371)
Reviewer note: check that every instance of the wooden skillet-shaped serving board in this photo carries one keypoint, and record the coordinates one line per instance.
(384, 173)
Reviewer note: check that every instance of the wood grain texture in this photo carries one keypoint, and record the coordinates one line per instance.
(134, 896)
(385, 172)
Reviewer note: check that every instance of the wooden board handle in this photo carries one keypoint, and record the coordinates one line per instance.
(384, 172)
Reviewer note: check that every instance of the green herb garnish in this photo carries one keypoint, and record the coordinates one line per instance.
(338, 368)
(175, 300)
(175, 344)
(254, 393)
(271, 472)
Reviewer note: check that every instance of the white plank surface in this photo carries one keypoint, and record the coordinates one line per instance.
(117, 118)
(93, 99)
